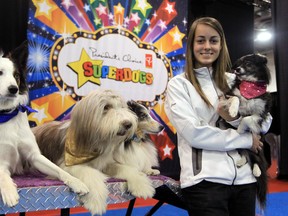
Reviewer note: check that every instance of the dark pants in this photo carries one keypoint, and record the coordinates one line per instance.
(213, 199)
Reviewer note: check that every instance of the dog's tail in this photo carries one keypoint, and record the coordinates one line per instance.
(262, 180)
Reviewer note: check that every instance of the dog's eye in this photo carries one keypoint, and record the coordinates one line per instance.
(142, 116)
(238, 69)
(17, 76)
(1, 73)
(248, 64)
(107, 107)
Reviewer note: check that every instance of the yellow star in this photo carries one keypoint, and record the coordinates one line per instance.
(92, 1)
(41, 115)
(177, 36)
(77, 67)
(44, 8)
(142, 6)
(136, 30)
(97, 21)
(119, 9)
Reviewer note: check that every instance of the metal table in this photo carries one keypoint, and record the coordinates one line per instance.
(37, 193)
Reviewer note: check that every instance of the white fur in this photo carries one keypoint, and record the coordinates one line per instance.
(134, 162)
(248, 123)
(242, 161)
(256, 170)
(100, 122)
(18, 145)
(239, 104)
(234, 103)
(8, 101)
(231, 78)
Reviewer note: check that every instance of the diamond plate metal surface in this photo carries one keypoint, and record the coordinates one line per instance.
(173, 185)
(41, 198)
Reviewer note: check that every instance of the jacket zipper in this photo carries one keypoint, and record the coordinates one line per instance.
(235, 169)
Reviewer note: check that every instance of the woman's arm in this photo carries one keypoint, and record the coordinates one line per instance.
(189, 124)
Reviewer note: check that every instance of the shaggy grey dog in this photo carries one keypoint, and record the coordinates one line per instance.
(84, 144)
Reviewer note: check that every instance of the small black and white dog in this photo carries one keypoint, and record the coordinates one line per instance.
(252, 101)
(140, 143)
(18, 147)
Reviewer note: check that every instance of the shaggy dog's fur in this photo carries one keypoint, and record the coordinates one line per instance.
(138, 156)
(19, 149)
(99, 123)
(253, 105)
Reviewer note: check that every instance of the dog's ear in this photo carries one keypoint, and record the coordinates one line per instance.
(1, 53)
(20, 56)
(131, 104)
(262, 59)
(257, 58)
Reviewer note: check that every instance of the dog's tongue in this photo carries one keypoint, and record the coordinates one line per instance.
(251, 90)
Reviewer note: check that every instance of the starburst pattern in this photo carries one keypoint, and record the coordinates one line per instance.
(159, 24)
(38, 57)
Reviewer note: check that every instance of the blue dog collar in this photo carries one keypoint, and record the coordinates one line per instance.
(5, 117)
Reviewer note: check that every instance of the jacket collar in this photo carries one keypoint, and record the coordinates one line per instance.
(203, 72)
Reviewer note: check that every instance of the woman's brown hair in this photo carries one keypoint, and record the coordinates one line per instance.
(220, 66)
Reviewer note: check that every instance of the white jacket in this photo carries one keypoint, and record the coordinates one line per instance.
(206, 152)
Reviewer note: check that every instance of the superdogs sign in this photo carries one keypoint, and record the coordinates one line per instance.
(111, 58)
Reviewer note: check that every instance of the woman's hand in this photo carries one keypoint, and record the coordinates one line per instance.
(223, 110)
(257, 145)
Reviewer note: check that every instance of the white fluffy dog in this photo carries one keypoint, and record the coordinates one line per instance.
(18, 145)
(138, 157)
(84, 145)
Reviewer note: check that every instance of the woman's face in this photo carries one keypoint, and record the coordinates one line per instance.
(206, 46)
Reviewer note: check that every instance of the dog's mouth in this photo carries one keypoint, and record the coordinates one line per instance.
(121, 132)
(155, 130)
(7, 97)
(237, 71)
(10, 96)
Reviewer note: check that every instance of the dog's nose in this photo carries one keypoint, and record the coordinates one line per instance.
(127, 124)
(13, 89)
(238, 69)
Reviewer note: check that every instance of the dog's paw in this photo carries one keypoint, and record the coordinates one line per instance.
(245, 125)
(10, 194)
(241, 162)
(152, 172)
(234, 106)
(241, 129)
(77, 186)
(231, 79)
(256, 170)
(96, 201)
(141, 187)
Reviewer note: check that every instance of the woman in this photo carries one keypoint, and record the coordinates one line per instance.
(211, 183)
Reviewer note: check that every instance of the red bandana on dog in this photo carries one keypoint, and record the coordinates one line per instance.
(251, 90)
